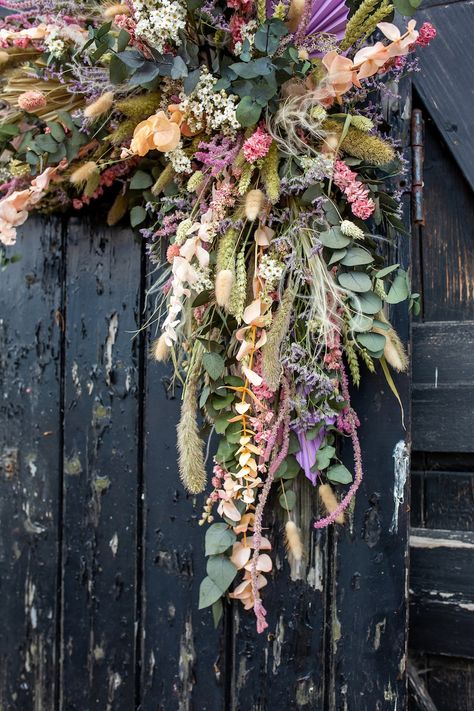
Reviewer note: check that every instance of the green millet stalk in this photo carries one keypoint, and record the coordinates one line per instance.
(239, 293)
(226, 250)
(245, 178)
(269, 173)
(353, 362)
(380, 14)
(354, 28)
(367, 360)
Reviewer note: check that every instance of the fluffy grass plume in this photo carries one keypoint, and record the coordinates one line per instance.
(160, 351)
(192, 470)
(294, 544)
(223, 286)
(330, 502)
(85, 171)
(100, 106)
(253, 204)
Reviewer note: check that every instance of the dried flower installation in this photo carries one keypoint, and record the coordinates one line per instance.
(245, 143)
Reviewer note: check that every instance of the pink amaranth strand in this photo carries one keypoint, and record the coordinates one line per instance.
(351, 418)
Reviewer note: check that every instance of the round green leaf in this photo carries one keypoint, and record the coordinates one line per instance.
(221, 571)
(219, 537)
(333, 238)
(356, 256)
(339, 474)
(386, 270)
(368, 303)
(374, 342)
(137, 215)
(209, 593)
(399, 289)
(141, 180)
(337, 255)
(288, 500)
(248, 112)
(361, 323)
(355, 281)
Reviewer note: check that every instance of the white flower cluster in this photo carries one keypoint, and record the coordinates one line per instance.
(349, 229)
(179, 160)
(54, 44)
(209, 110)
(203, 280)
(159, 22)
(247, 32)
(270, 269)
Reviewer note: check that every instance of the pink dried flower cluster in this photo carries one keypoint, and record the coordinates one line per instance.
(124, 22)
(257, 145)
(107, 179)
(32, 101)
(426, 33)
(357, 193)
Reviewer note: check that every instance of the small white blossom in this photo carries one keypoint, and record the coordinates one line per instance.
(159, 22)
(203, 279)
(179, 160)
(54, 44)
(209, 110)
(270, 269)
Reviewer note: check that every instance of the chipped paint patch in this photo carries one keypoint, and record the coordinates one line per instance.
(75, 379)
(278, 644)
(187, 657)
(113, 544)
(73, 466)
(379, 630)
(109, 345)
(401, 457)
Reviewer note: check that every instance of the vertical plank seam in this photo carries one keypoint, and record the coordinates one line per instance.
(58, 662)
(140, 602)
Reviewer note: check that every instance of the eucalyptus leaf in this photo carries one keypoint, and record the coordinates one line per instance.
(374, 342)
(356, 256)
(360, 323)
(141, 180)
(209, 593)
(399, 290)
(333, 238)
(217, 612)
(137, 215)
(221, 571)
(221, 424)
(369, 303)
(288, 500)
(337, 255)
(386, 270)
(355, 281)
(219, 538)
(214, 365)
(248, 112)
(339, 474)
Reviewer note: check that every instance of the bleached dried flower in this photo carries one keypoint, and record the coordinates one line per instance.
(293, 541)
(160, 350)
(100, 106)
(329, 500)
(223, 288)
(31, 101)
(253, 204)
(349, 229)
(84, 172)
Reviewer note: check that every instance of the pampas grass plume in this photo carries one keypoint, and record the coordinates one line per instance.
(223, 288)
(329, 500)
(83, 173)
(294, 544)
(192, 470)
(100, 106)
(253, 204)
(294, 14)
(117, 9)
(160, 350)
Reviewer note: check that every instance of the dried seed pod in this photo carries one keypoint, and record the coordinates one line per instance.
(223, 287)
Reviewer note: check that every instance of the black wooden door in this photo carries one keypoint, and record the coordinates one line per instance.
(442, 537)
(100, 550)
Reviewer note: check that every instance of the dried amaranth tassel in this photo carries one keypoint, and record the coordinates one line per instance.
(192, 470)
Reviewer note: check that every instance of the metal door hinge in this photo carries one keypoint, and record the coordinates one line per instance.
(418, 150)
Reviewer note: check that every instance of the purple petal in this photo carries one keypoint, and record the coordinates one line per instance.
(306, 457)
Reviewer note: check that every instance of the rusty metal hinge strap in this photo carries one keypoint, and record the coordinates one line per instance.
(417, 145)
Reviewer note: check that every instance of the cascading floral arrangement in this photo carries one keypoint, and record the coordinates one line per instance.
(246, 142)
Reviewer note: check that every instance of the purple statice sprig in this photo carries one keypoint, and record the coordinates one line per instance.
(218, 153)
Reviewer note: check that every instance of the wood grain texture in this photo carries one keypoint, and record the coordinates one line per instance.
(30, 440)
(370, 555)
(444, 82)
(101, 455)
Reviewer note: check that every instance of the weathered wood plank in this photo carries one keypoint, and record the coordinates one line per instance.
(450, 683)
(447, 238)
(441, 67)
(443, 418)
(184, 658)
(443, 353)
(101, 457)
(286, 666)
(442, 587)
(369, 603)
(30, 437)
(446, 500)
